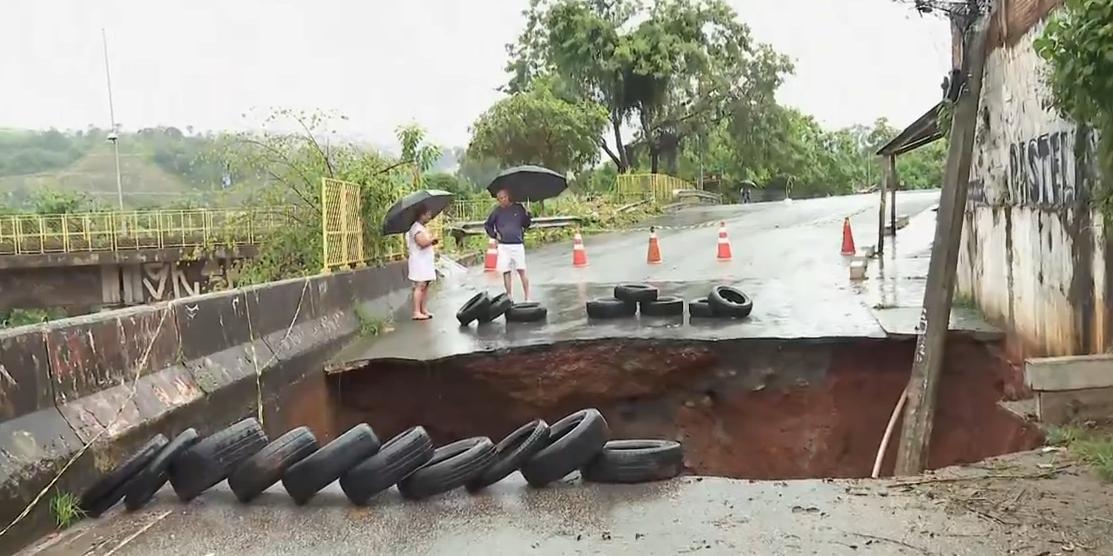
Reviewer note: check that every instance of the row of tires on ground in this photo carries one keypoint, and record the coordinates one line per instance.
(242, 454)
(721, 302)
(483, 308)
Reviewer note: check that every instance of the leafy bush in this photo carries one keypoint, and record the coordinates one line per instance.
(1078, 46)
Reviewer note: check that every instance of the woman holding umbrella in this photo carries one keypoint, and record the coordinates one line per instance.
(422, 261)
(409, 216)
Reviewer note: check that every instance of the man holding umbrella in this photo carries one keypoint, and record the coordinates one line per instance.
(509, 221)
(507, 224)
(409, 216)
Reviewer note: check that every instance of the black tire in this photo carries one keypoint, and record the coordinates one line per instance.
(399, 458)
(573, 442)
(156, 473)
(111, 487)
(663, 307)
(452, 466)
(700, 308)
(635, 293)
(266, 467)
(636, 461)
(526, 312)
(512, 452)
(731, 302)
(499, 305)
(211, 460)
(473, 309)
(308, 476)
(610, 308)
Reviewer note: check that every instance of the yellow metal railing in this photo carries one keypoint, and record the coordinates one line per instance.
(38, 234)
(341, 224)
(655, 187)
(469, 210)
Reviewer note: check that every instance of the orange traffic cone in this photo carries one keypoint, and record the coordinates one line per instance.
(724, 243)
(847, 238)
(492, 260)
(579, 255)
(654, 255)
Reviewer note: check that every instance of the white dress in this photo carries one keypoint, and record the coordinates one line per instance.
(423, 266)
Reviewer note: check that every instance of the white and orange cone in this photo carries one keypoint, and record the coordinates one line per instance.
(492, 260)
(579, 255)
(724, 253)
(654, 254)
(847, 239)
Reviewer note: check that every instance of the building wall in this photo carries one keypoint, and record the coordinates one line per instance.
(1032, 253)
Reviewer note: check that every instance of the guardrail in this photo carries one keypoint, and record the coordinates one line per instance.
(38, 234)
(460, 230)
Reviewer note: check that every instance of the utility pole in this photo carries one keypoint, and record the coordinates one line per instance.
(882, 180)
(112, 135)
(935, 319)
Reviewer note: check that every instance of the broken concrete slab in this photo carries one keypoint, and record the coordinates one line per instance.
(1067, 406)
(904, 322)
(1069, 373)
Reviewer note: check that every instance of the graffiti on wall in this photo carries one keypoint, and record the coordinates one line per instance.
(1049, 171)
(167, 280)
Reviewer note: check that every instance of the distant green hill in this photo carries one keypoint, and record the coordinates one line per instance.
(95, 175)
(158, 166)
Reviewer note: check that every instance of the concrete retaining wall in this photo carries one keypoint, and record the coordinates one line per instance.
(1033, 253)
(111, 380)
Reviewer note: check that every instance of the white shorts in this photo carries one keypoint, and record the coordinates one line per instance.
(511, 257)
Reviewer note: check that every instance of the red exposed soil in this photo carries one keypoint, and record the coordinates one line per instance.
(758, 410)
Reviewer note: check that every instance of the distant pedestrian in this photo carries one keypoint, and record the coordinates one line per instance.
(507, 225)
(422, 261)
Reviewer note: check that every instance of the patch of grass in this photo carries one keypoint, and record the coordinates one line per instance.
(369, 325)
(1065, 436)
(65, 509)
(1097, 453)
(1092, 447)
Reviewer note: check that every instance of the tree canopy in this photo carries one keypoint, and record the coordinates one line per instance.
(669, 68)
(537, 127)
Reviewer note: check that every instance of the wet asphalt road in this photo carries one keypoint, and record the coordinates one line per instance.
(690, 515)
(786, 256)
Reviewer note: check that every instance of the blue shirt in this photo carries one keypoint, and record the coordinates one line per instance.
(508, 224)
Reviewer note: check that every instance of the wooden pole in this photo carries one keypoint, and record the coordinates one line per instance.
(881, 214)
(894, 184)
(935, 319)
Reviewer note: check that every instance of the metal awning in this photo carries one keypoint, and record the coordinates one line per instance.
(923, 131)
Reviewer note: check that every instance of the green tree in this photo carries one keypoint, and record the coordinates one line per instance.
(671, 68)
(537, 127)
(291, 164)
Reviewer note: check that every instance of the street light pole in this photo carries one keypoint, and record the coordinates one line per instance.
(112, 135)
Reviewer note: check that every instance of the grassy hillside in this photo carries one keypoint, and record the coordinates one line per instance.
(158, 166)
(95, 175)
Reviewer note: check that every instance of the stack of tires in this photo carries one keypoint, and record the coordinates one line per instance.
(722, 302)
(251, 463)
(630, 299)
(484, 309)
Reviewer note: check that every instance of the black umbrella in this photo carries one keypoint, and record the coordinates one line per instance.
(403, 213)
(529, 183)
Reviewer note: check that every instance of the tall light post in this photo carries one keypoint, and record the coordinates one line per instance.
(112, 135)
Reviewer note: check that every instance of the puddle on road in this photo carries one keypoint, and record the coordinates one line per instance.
(743, 409)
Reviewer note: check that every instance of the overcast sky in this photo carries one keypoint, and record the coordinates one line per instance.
(387, 62)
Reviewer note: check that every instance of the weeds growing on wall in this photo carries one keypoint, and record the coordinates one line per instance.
(1078, 46)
